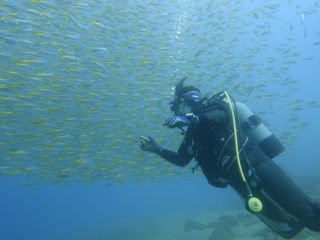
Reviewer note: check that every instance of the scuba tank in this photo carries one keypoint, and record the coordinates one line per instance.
(253, 127)
(280, 221)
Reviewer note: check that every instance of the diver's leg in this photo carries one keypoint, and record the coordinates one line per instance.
(272, 214)
(285, 192)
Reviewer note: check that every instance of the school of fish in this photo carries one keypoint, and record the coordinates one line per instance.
(81, 80)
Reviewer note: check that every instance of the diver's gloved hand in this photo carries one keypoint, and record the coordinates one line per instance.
(177, 121)
(180, 121)
(149, 145)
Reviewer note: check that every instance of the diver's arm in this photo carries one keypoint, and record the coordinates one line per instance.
(180, 158)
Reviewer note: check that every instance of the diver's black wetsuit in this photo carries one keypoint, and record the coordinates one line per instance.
(211, 143)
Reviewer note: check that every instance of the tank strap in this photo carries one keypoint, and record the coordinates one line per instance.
(224, 146)
(226, 164)
(252, 122)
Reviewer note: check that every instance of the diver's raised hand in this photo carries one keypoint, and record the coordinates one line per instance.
(149, 145)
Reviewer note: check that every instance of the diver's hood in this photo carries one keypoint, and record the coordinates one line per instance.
(190, 94)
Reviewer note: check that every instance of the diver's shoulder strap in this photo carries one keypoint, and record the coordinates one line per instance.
(217, 101)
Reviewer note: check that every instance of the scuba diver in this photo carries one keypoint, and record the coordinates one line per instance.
(234, 148)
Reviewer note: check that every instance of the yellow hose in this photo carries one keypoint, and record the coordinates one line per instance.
(254, 204)
(235, 137)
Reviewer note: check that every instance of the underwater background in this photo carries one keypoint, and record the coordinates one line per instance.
(81, 80)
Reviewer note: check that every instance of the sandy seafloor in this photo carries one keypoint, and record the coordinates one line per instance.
(200, 224)
(192, 226)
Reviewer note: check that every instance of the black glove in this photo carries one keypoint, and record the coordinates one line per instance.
(149, 145)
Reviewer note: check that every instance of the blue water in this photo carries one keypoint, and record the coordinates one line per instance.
(80, 81)
(67, 212)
